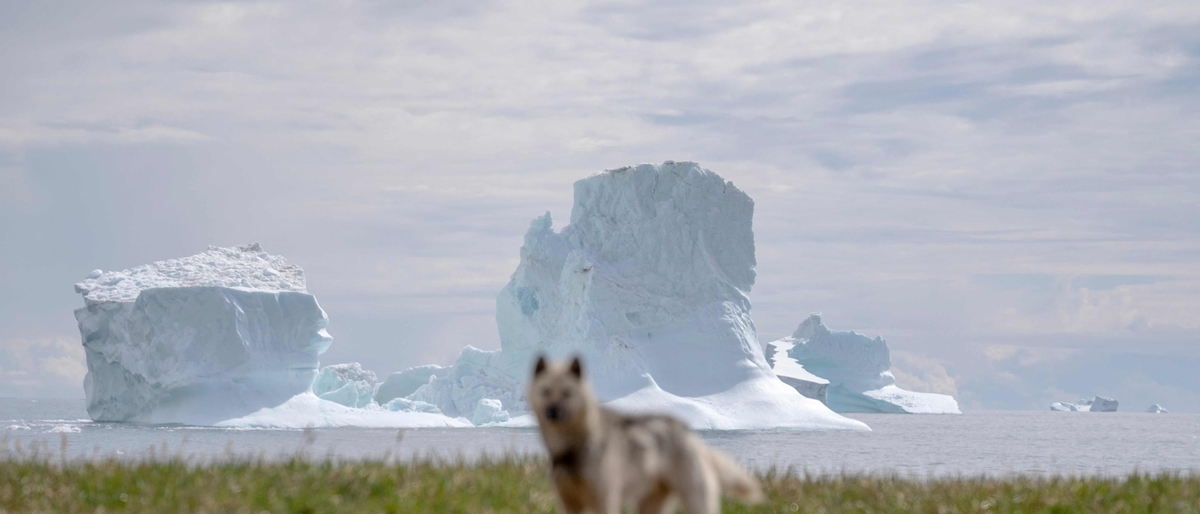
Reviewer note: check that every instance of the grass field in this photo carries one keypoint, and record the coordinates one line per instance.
(519, 484)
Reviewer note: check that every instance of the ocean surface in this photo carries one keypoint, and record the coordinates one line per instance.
(974, 443)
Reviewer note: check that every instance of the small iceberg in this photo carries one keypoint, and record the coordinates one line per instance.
(346, 384)
(848, 371)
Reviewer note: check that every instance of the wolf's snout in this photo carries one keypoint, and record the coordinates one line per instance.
(553, 413)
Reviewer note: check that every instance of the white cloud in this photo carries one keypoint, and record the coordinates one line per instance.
(26, 135)
(42, 367)
(922, 374)
(1166, 303)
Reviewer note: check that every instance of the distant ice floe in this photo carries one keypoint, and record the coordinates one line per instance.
(1096, 404)
(64, 429)
(851, 370)
(1157, 409)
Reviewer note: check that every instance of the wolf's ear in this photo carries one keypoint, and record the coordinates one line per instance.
(540, 366)
(576, 368)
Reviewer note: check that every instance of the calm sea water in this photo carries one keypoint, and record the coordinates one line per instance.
(993, 443)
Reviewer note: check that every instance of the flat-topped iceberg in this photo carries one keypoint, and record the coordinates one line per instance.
(857, 368)
(648, 284)
(200, 339)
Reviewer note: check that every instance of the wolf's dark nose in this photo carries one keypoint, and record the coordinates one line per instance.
(553, 413)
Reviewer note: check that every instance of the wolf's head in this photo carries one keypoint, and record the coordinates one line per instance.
(558, 394)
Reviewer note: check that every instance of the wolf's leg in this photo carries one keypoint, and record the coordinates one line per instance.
(563, 508)
(610, 504)
(569, 505)
(608, 497)
(698, 487)
(658, 501)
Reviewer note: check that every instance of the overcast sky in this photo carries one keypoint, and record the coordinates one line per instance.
(1007, 192)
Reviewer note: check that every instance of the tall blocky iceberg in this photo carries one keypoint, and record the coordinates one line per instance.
(200, 339)
(648, 284)
(858, 370)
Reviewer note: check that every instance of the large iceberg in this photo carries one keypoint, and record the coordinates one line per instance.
(200, 339)
(858, 370)
(648, 284)
(226, 337)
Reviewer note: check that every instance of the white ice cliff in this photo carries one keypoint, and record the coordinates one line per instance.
(226, 337)
(1103, 404)
(648, 284)
(200, 339)
(858, 369)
